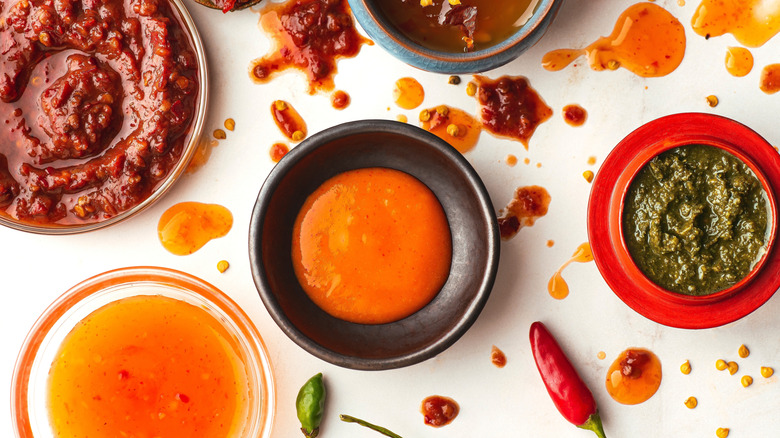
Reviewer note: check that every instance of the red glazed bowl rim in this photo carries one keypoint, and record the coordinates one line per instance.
(605, 209)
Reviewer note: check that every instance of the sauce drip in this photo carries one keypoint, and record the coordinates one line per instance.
(770, 79)
(647, 40)
(465, 133)
(634, 376)
(408, 93)
(557, 286)
(201, 155)
(752, 22)
(148, 366)
(739, 61)
(186, 227)
(371, 246)
(529, 203)
(574, 115)
(340, 100)
(510, 108)
(278, 151)
(288, 120)
(497, 357)
(439, 411)
(311, 35)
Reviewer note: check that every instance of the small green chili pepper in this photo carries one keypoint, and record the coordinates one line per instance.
(310, 404)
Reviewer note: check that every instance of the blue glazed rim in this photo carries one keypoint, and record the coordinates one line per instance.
(397, 44)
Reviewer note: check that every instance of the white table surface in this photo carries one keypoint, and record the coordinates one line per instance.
(494, 402)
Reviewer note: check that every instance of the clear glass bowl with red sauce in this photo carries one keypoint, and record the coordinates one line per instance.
(95, 129)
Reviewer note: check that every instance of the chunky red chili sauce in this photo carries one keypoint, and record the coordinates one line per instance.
(97, 100)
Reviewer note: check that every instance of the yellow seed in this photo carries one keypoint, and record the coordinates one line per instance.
(685, 368)
(454, 2)
(223, 266)
(442, 110)
(613, 64)
(401, 118)
(219, 134)
(722, 432)
(712, 100)
(733, 367)
(426, 2)
(453, 130)
(746, 381)
(691, 402)
(588, 175)
(280, 105)
(471, 89)
(230, 124)
(721, 365)
(767, 371)
(425, 115)
(298, 136)
(743, 351)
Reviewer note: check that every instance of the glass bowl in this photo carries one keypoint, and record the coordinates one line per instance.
(29, 391)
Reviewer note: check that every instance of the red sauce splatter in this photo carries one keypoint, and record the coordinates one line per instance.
(288, 120)
(575, 115)
(510, 108)
(311, 35)
(497, 357)
(439, 411)
(278, 151)
(529, 204)
(340, 100)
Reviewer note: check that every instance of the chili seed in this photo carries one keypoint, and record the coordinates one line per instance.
(298, 136)
(454, 80)
(720, 365)
(733, 367)
(442, 110)
(767, 371)
(712, 100)
(471, 89)
(746, 381)
(685, 368)
(219, 134)
(280, 105)
(722, 432)
(743, 351)
(230, 124)
(453, 130)
(425, 115)
(691, 402)
(588, 175)
(222, 266)
(613, 64)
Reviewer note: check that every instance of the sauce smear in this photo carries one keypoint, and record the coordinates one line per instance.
(634, 376)
(439, 411)
(647, 40)
(148, 366)
(408, 93)
(455, 126)
(752, 22)
(371, 246)
(186, 227)
(557, 286)
(278, 151)
(529, 203)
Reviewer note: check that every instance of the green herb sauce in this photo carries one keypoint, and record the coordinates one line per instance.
(695, 220)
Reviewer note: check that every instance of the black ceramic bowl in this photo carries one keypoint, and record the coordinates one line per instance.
(469, 211)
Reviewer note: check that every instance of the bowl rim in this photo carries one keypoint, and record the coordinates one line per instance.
(606, 235)
(192, 142)
(416, 55)
(81, 293)
(321, 139)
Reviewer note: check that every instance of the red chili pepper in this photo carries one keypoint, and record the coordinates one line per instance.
(567, 390)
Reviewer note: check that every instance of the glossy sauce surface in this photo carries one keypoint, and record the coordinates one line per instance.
(371, 246)
(752, 22)
(770, 79)
(557, 286)
(739, 61)
(634, 376)
(148, 366)
(647, 40)
(466, 128)
(529, 204)
(408, 93)
(340, 100)
(288, 120)
(439, 411)
(574, 115)
(187, 226)
(278, 151)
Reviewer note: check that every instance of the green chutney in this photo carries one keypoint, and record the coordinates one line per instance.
(695, 220)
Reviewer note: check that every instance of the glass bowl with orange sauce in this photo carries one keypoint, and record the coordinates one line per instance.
(88, 199)
(607, 227)
(374, 245)
(143, 351)
(470, 37)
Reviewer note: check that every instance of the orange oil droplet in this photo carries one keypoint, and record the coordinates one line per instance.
(408, 93)
(557, 286)
(497, 357)
(278, 151)
(528, 204)
(634, 376)
(186, 227)
(511, 160)
(288, 120)
(574, 115)
(770, 79)
(647, 40)
(601, 355)
(591, 160)
(340, 100)
(739, 61)
(465, 134)
(752, 22)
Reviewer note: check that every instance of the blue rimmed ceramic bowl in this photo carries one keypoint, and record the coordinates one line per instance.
(380, 28)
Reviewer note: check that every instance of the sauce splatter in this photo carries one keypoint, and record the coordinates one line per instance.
(591, 160)
(510, 108)
(739, 61)
(511, 160)
(647, 40)
(634, 376)
(186, 227)
(588, 175)
(601, 355)
(288, 120)
(230, 124)
(497, 357)
(340, 100)
(278, 151)
(575, 115)
(455, 126)
(439, 411)
(310, 35)
(557, 286)
(408, 93)
(770, 79)
(550, 243)
(529, 204)
(752, 22)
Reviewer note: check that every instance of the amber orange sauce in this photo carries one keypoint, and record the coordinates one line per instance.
(288, 120)
(752, 22)
(468, 128)
(340, 100)
(529, 204)
(770, 79)
(647, 40)
(634, 376)
(574, 115)
(739, 61)
(557, 286)
(371, 246)
(148, 366)
(278, 151)
(187, 226)
(408, 93)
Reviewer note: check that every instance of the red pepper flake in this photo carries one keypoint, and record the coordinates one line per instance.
(182, 397)
(122, 375)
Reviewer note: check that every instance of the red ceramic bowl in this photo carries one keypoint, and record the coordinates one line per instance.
(605, 210)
